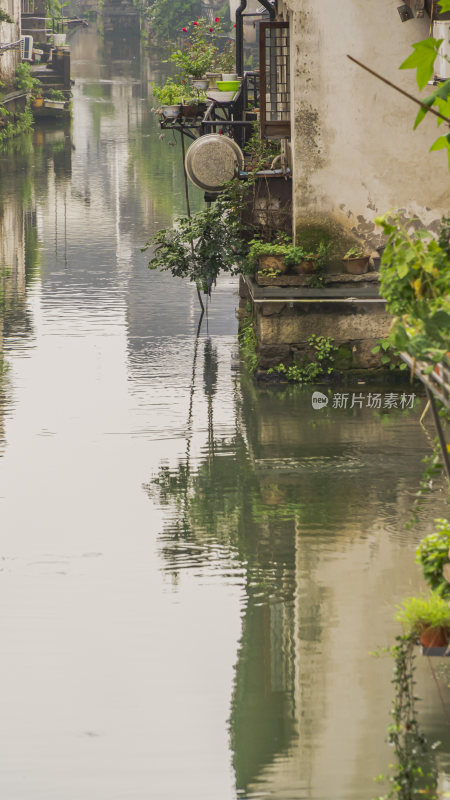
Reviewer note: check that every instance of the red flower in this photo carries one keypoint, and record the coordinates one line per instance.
(195, 23)
(184, 29)
(211, 30)
(234, 25)
(217, 19)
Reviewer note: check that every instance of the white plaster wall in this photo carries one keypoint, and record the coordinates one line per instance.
(355, 151)
(9, 33)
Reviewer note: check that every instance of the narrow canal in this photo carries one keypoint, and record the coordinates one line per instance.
(193, 570)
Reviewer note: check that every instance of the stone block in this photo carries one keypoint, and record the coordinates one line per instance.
(269, 356)
(272, 309)
(244, 291)
(352, 323)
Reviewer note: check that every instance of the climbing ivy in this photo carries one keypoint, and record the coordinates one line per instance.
(414, 773)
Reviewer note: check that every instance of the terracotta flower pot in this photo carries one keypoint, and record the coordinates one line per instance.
(305, 267)
(435, 637)
(189, 110)
(272, 262)
(357, 266)
(37, 102)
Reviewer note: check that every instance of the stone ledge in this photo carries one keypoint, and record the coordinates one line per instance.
(328, 280)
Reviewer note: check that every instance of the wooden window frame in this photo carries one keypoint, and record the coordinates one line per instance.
(278, 128)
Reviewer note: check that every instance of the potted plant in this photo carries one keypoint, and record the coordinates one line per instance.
(433, 556)
(55, 99)
(304, 261)
(284, 256)
(427, 618)
(198, 54)
(191, 102)
(225, 62)
(169, 96)
(268, 255)
(356, 260)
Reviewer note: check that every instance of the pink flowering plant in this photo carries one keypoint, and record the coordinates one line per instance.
(200, 49)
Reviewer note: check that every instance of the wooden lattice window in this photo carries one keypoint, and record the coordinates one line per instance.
(275, 95)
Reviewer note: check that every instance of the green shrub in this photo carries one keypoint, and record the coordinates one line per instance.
(432, 554)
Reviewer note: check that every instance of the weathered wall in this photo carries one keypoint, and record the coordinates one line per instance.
(284, 328)
(9, 33)
(355, 153)
(283, 332)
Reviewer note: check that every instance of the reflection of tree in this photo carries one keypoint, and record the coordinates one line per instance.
(219, 504)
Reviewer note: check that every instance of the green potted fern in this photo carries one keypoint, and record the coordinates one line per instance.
(427, 618)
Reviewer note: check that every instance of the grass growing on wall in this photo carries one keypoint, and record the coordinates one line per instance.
(248, 343)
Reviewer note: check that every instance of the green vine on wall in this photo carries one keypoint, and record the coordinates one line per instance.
(414, 775)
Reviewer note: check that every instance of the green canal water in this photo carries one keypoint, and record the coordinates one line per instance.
(193, 570)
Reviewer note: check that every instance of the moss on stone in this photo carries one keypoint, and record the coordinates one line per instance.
(343, 357)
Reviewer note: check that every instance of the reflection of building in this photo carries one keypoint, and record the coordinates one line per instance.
(12, 261)
(12, 275)
(314, 509)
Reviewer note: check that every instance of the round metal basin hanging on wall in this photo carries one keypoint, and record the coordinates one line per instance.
(212, 160)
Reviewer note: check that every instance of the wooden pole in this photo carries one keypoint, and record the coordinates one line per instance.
(188, 208)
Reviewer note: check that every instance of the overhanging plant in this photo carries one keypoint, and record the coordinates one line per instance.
(422, 59)
(432, 554)
(200, 246)
(25, 80)
(415, 282)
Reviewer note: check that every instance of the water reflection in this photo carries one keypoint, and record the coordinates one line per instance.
(129, 611)
(311, 512)
(19, 256)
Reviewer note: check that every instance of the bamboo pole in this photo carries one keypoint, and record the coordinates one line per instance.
(402, 91)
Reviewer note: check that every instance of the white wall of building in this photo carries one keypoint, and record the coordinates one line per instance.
(355, 152)
(9, 33)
